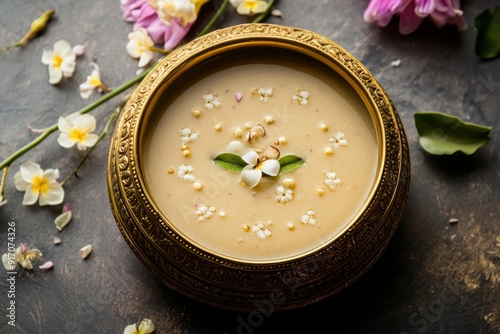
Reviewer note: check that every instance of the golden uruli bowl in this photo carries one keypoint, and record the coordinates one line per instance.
(213, 250)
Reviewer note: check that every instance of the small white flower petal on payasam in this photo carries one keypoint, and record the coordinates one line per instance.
(205, 212)
(184, 173)
(251, 158)
(188, 135)
(332, 180)
(308, 218)
(211, 101)
(250, 176)
(270, 167)
(85, 251)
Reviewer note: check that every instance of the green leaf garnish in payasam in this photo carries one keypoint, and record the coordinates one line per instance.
(289, 163)
(443, 134)
(487, 25)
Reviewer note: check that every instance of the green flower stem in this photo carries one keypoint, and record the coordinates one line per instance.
(214, 19)
(104, 132)
(2, 183)
(7, 162)
(263, 16)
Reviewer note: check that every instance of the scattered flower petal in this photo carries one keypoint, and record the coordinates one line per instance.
(238, 96)
(61, 61)
(188, 135)
(57, 241)
(283, 194)
(79, 50)
(39, 185)
(46, 265)
(64, 218)
(264, 93)
(76, 129)
(85, 251)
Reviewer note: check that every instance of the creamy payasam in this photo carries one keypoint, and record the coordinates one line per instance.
(212, 156)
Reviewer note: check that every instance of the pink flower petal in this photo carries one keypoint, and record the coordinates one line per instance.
(46, 265)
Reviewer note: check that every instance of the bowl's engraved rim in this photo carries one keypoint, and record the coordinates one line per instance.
(233, 284)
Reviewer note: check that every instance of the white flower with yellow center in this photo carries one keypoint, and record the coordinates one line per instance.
(332, 181)
(145, 327)
(188, 135)
(76, 129)
(139, 46)
(211, 101)
(61, 61)
(39, 185)
(252, 173)
(338, 139)
(205, 212)
(302, 97)
(184, 172)
(308, 218)
(93, 82)
(249, 7)
(184, 11)
(261, 231)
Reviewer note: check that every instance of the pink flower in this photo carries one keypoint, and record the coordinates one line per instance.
(413, 12)
(166, 21)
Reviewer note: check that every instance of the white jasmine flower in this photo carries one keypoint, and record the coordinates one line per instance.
(262, 231)
(302, 97)
(205, 212)
(283, 194)
(211, 101)
(93, 82)
(332, 181)
(139, 46)
(145, 327)
(252, 173)
(183, 11)
(308, 218)
(265, 93)
(61, 61)
(39, 185)
(249, 7)
(338, 140)
(184, 172)
(76, 129)
(188, 135)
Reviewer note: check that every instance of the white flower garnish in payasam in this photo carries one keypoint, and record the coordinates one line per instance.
(261, 231)
(308, 218)
(205, 212)
(338, 139)
(264, 93)
(252, 173)
(211, 101)
(332, 181)
(283, 194)
(302, 97)
(188, 135)
(184, 172)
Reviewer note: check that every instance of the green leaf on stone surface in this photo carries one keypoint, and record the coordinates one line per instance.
(289, 163)
(445, 134)
(230, 161)
(488, 33)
